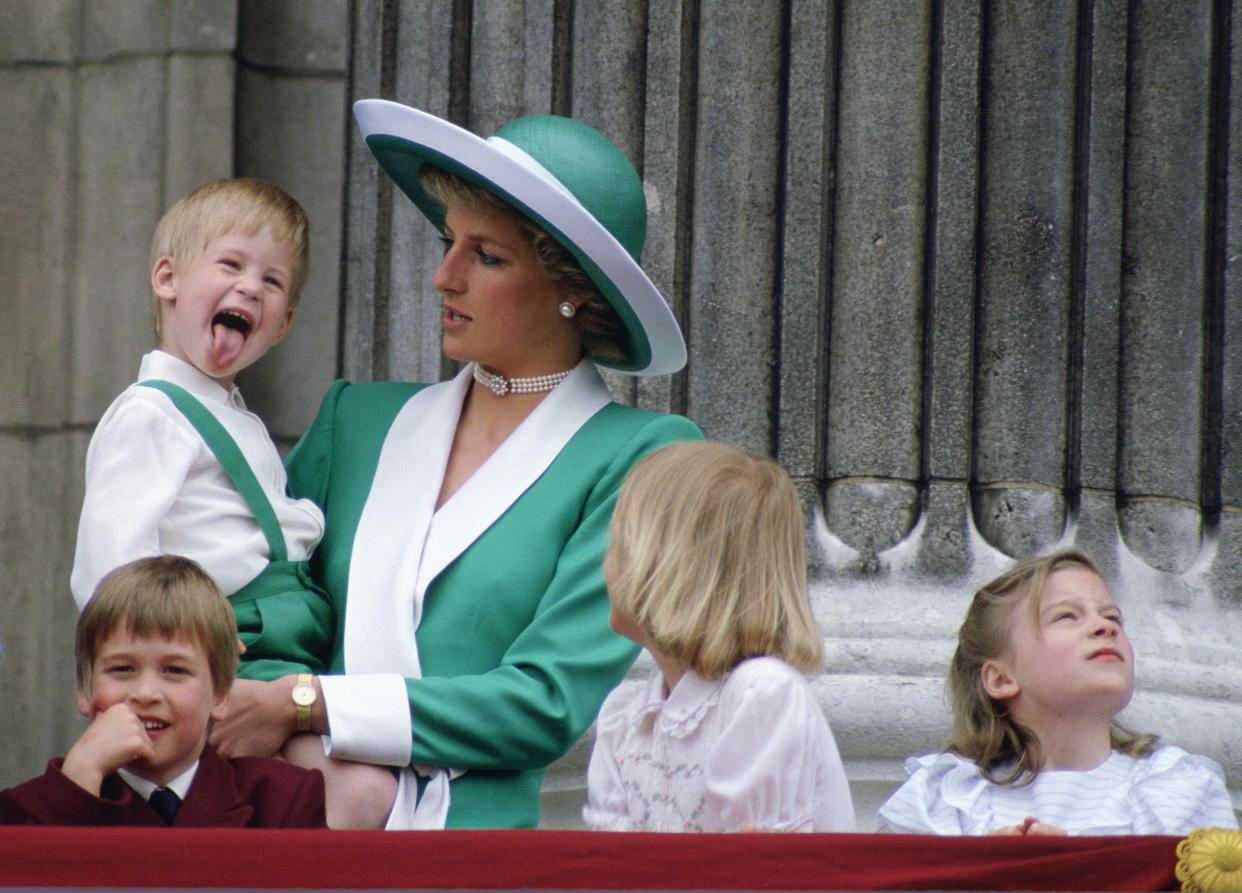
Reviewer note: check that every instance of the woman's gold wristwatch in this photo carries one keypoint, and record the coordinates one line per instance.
(304, 697)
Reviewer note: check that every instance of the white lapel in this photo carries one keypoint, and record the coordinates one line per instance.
(509, 472)
(403, 543)
(380, 616)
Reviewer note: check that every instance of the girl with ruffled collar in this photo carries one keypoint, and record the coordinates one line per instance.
(1042, 668)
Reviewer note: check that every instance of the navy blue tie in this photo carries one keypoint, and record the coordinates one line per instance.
(166, 803)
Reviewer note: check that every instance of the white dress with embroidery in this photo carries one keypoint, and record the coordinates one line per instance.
(751, 749)
(1168, 792)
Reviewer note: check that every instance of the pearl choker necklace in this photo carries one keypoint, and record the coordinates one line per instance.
(499, 385)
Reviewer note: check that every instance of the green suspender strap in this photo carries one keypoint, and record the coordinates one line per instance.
(285, 620)
(235, 465)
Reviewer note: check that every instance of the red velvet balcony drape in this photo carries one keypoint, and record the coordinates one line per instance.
(134, 857)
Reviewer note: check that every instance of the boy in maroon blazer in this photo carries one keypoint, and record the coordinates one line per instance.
(156, 653)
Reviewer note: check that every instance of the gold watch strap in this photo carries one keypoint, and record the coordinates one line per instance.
(304, 709)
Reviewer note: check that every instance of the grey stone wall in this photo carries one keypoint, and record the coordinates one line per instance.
(968, 270)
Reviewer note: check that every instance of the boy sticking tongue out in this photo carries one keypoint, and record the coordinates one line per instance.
(223, 309)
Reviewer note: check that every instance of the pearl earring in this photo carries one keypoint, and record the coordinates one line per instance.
(567, 309)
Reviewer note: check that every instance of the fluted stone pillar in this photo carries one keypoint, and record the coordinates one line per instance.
(875, 350)
(1167, 299)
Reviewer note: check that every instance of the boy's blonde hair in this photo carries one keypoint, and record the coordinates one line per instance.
(1006, 751)
(708, 557)
(167, 596)
(241, 204)
(599, 327)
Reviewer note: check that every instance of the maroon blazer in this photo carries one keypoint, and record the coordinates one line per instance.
(245, 792)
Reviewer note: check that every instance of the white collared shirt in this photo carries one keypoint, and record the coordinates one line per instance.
(154, 487)
(144, 788)
(751, 749)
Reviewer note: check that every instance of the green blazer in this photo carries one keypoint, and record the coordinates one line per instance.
(514, 645)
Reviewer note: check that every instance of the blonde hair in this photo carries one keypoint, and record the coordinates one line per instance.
(240, 204)
(599, 326)
(708, 557)
(1006, 751)
(166, 596)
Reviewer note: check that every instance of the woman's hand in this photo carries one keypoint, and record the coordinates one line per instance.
(259, 720)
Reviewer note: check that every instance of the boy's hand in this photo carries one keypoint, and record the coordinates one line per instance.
(114, 738)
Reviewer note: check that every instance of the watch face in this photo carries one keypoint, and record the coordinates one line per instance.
(303, 695)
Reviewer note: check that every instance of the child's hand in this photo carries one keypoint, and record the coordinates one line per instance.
(1030, 827)
(1043, 829)
(114, 738)
(1007, 831)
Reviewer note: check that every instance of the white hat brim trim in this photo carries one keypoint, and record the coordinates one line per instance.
(516, 173)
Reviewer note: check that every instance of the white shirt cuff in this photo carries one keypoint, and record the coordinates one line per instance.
(369, 718)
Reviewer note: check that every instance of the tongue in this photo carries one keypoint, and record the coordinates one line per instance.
(226, 344)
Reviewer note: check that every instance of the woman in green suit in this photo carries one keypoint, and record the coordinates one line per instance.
(467, 520)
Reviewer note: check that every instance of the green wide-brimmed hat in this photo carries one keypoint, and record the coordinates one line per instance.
(569, 179)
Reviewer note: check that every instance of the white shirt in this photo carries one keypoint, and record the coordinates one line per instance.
(154, 487)
(144, 788)
(1168, 792)
(749, 749)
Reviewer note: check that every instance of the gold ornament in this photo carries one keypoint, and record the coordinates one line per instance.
(1210, 859)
